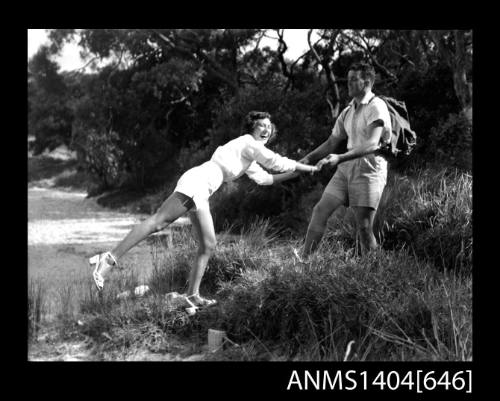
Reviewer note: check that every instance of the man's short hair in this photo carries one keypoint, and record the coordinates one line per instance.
(366, 69)
(250, 120)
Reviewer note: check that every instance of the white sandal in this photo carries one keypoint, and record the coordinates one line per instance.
(201, 302)
(100, 261)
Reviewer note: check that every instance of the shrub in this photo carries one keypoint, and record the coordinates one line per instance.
(451, 142)
(193, 155)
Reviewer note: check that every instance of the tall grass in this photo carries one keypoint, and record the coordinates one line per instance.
(36, 307)
(432, 215)
(428, 213)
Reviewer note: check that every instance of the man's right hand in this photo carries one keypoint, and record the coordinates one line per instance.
(332, 160)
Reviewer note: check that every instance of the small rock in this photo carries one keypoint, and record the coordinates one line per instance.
(191, 310)
(106, 335)
(141, 290)
(171, 296)
(123, 295)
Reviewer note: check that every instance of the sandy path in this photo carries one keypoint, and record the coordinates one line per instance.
(66, 227)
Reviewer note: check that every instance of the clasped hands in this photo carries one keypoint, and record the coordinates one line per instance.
(332, 159)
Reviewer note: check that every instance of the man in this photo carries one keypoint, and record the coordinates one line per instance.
(361, 175)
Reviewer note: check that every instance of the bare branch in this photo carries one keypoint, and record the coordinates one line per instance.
(261, 35)
(115, 67)
(367, 45)
(252, 79)
(314, 52)
(330, 77)
(85, 66)
(269, 37)
(292, 66)
(371, 55)
(282, 48)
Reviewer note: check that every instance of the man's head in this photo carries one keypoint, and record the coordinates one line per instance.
(360, 79)
(258, 124)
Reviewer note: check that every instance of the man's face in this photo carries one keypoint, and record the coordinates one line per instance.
(262, 130)
(355, 84)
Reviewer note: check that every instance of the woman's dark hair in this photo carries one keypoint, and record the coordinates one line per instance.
(250, 120)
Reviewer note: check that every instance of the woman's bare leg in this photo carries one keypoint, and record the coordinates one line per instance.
(172, 208)
(203, 226)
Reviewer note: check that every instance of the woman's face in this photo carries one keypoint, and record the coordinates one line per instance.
(262, 130)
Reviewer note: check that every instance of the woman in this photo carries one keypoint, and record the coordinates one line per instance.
(195, 187)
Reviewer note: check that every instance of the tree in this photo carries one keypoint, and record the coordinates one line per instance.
(455, 48)
(393, 51)
(49, 117)
(151, 98)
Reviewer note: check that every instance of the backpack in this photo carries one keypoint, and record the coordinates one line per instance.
(403, 138)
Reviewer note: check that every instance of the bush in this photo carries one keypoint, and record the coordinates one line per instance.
(451, 142)
(193, 155)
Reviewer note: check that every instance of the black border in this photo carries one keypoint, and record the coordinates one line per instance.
(270, 378)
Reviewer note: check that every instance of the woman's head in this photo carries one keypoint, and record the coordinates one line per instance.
(258, 124)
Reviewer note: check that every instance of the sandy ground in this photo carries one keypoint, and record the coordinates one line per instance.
(65, 228)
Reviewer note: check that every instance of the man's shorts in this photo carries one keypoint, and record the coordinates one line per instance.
(359, 182)
(200, 182)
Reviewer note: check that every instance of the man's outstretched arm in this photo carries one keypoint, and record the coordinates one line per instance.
(327, 147)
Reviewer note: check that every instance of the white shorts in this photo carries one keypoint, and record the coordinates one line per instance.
(200, 182)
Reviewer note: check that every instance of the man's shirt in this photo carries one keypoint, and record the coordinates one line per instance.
(353, 121)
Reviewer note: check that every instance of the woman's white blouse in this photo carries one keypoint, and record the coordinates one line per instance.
(242, 154)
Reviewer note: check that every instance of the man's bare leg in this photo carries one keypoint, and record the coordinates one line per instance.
(365, 217)
(321, 213)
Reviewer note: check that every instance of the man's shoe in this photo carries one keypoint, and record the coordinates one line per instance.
(297, 255)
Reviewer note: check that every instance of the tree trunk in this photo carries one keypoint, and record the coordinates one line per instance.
(463, 89)
(456, 58)
(332, 92)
